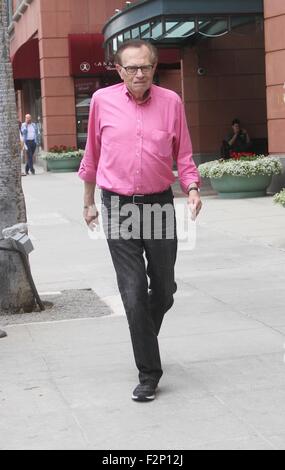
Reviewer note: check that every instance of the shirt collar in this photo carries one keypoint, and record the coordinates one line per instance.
(129, 96)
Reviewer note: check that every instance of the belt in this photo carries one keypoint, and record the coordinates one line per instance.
(139, 199)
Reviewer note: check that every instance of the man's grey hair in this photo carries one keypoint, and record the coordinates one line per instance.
(137, 43)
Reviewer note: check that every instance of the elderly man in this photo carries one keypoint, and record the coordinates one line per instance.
(135, 131)
(30, 135)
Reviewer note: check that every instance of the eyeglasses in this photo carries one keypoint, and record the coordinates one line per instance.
(133, 69)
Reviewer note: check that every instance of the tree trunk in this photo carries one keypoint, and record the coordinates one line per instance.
(15, 291)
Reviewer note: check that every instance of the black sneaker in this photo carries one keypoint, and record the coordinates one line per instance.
(144, 392)
(3, 334)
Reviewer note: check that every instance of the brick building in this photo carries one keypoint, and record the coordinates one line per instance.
(226, 58)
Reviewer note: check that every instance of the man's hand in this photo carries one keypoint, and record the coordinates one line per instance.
(91, 214)
(195, 203)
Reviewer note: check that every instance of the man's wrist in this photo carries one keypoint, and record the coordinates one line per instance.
(193, 187)
(91, 210)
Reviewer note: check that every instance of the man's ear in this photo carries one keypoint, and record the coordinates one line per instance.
(119, 70)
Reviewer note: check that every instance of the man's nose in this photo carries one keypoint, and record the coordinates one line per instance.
(139, 73)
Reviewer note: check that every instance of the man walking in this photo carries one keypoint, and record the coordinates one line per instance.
(135, 131)
(30, 135)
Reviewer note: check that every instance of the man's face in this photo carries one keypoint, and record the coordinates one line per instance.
(28, 119)
(236, 128)
(140, 82)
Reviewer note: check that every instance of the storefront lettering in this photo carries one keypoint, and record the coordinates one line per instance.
(86, 67)
(107, 65)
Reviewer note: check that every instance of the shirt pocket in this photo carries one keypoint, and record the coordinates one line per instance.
(161, 143)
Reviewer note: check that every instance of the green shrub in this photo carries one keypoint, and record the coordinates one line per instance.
(260, 165)
(63, 155)
(280, 198)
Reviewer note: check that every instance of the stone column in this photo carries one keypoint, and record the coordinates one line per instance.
(58, 96)
(274, 13)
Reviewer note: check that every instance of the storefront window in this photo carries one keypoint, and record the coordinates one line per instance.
(156, 30)
(213, 27)
(84, 90)
(180, 29)
(127, 35)
(115, 44)
(120, 40)
(135, 33)
(145, 31)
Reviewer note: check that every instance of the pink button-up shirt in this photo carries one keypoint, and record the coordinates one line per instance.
(131, 147)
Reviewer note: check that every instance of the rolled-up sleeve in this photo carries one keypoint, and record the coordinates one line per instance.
(89, 164)
(183, 152)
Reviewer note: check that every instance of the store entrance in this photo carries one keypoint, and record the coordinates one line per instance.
(84, 90)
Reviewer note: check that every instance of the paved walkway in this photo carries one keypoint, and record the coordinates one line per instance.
(66, 384)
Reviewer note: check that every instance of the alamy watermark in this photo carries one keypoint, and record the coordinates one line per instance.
(147, 221)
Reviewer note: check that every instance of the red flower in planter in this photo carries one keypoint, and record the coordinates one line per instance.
(62, 149)
(242, 155)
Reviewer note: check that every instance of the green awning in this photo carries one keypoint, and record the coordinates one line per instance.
(176, 22)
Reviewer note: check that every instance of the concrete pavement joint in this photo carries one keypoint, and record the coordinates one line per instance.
(252, 240)
(231, 358)
(247, 423)
(58, 321)
(57, 389)
(69, 408)
(234, 309)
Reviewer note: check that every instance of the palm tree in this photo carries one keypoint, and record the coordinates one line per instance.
(15, 291)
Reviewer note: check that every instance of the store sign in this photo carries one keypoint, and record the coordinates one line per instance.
(87, 55)
(85, 67)
(107, 65)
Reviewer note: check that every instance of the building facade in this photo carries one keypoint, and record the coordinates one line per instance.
(224, 57)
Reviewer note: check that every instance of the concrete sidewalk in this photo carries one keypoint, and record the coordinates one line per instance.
(67, 384)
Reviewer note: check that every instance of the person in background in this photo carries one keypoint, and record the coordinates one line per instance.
(23, 147)
(238, 139)
(30, 135)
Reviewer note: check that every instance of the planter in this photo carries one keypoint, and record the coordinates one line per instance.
(235, 187)
(241, 177)
(63, 165)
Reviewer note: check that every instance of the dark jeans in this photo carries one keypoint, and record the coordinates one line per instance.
(31, 146)
(145, 275)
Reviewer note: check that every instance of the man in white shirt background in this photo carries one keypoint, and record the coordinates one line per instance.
(31, 139)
